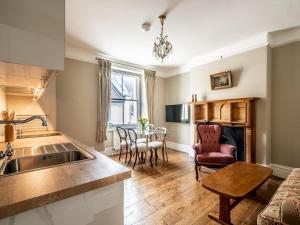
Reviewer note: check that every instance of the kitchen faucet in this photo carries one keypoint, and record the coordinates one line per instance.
(9, 148)
(44, 122)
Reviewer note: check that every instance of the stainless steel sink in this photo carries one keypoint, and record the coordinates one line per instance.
(68, 153)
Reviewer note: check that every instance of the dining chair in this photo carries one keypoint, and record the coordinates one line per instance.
(123, 142)
(160, 134)
(138, 150)
(150, 128)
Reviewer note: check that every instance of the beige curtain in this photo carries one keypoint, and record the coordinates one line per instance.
(150, 84)
(103, 103)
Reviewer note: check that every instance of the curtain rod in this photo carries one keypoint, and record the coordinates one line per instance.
(124, 64)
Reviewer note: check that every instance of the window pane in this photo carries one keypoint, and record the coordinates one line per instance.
(130, 87)
(116, 112)
(116, 86)
(130, 112)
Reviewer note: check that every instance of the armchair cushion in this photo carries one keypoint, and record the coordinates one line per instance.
(214, 157)
(227, 149)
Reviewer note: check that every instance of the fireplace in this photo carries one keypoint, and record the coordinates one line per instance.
(236, 116)
(235, 136)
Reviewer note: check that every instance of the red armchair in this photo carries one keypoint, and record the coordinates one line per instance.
(210, 151)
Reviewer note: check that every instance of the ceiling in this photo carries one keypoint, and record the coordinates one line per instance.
(195, 27)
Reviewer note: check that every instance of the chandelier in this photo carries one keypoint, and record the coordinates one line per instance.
(162, 47)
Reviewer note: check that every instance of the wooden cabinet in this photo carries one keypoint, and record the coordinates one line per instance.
(229, 112)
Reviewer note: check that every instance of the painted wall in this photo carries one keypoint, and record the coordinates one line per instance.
(76, 91)
(76, 103)
(23, 105)
(26, 105)
(285, 105)
(250, 79)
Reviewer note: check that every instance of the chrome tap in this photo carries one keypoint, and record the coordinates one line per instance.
(9, 149)
(44, 122)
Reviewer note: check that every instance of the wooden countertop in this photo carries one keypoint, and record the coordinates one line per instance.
(28, 190)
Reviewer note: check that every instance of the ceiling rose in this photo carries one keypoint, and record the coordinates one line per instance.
(162, 47)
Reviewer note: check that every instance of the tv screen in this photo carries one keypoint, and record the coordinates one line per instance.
(178, 113)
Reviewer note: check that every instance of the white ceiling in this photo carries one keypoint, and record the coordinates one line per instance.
(195, 27)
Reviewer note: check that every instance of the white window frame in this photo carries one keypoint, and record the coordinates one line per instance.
(138, 100)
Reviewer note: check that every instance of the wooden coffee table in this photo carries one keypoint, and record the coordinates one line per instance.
(236, 182)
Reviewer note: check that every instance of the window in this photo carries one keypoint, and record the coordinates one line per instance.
(125, 97)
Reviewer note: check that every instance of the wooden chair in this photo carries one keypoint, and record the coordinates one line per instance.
(150, 128)
(123, 141)
(138, 150)
(160, 134)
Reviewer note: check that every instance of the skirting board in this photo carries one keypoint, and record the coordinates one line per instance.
(181, 147)
(280, 170)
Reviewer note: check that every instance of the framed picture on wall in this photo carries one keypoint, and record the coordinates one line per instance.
(221, 80)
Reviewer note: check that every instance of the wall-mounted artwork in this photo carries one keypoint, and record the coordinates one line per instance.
(221, 80)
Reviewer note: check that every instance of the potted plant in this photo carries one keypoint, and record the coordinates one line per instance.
(143, 121)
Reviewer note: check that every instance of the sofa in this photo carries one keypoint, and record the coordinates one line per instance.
(284, 207)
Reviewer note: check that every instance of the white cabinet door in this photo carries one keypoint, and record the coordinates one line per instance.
(32, 32)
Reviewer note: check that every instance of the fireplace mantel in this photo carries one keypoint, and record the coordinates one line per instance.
(229, 112)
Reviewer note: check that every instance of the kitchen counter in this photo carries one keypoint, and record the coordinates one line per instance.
(29, 190)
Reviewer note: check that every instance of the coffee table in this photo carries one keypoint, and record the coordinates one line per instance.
(236, 182)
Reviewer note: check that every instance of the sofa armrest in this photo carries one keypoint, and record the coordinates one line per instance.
(198, 148)
(227, 149)
(290, 212)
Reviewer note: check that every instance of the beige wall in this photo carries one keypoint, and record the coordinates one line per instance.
(23, 105)
(76, 91)
(285, 105)
(26, 105)
(76, 102)
(48, 103)
(249, 80)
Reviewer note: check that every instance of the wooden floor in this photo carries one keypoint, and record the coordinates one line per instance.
(169, 194)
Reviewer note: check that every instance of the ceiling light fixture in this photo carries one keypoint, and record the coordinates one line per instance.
(146, 27)
(162, 47)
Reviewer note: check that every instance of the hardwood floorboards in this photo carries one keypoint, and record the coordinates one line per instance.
(168, 194)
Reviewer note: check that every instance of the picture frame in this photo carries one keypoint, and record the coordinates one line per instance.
(221, 80)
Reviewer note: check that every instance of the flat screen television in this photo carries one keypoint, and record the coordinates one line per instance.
(178, 113)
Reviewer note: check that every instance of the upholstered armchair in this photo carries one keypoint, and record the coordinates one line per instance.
(210, 151)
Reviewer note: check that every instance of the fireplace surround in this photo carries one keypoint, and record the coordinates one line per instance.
(236, 116)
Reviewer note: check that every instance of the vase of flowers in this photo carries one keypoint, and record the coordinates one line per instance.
(143, 121)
